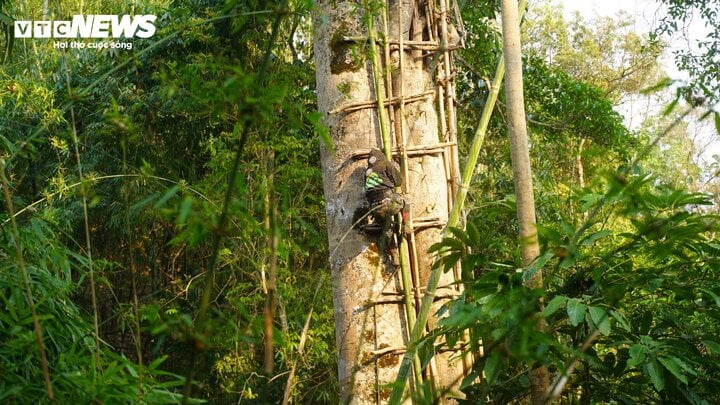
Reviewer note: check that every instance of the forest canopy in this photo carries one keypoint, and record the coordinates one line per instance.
(165, 221)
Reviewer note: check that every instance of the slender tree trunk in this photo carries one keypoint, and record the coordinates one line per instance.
(370, 322)
(579, 164)
(522, 172)
(271, 246)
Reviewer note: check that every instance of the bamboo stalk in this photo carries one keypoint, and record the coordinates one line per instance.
(402, 242)
(454, 157)
(137, 334)
(378, 88)
(409, 225)
(389, 41)
(86, 222)
(373, 103)
(408, 253)
(434, 278)
(301, 347)
(244, 132)
(26, 282)
(271, 242)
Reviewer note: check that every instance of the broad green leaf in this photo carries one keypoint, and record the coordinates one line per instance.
(461, 235)
(653, 370)
(567, 228)
(8, 145)
(601, 319)
(717, 122)
(537, 265)
(595, 236)
(549, 234)
(450, 260)
(685, 366)
(492, 367)
(569, 259)
(6, 19)
(556, 303)
(712, 346)
(575, 311)
(469, 380)
(131, 369)
(673, 366)
(474, 234)
(637, 355)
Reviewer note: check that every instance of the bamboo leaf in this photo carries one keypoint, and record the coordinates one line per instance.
(712, 295)
(537, 265)
(662, 84)
(595, 236)
(461, 235)
(184, 210)
(670, 107)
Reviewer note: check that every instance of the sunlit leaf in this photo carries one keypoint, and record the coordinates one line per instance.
(670, 107)
(592, 238)
(662, 84)
(575, 311)
(601, 319)
(556, 303)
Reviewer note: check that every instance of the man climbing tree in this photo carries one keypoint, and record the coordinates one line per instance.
(381, 178)
(381, 95)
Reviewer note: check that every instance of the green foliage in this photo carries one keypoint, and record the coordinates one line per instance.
(56, 275)
(700, 61)
(158, 128)
(606, 52)
(572, 108)
(640, 270)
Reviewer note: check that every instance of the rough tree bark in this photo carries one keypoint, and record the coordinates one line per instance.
(370, 322)
(522, 172)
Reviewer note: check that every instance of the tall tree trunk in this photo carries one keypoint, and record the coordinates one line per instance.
(371, 326)
(522, 172)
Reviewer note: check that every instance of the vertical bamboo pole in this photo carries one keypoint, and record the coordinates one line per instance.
(387, 148)
(432, 283)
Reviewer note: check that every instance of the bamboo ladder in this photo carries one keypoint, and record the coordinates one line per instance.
(392, 101)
